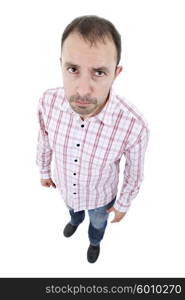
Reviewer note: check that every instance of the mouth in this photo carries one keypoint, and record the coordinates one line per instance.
(82, 103)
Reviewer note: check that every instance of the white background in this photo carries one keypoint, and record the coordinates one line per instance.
(149, 241)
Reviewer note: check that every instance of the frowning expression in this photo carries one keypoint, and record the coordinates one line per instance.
(88, 73)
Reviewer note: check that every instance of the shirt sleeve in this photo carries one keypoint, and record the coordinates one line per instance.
(133, 172)
(44, 152)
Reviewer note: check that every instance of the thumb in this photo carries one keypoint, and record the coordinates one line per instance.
(52, 183)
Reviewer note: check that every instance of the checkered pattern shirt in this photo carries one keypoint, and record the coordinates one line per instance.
(87, 153)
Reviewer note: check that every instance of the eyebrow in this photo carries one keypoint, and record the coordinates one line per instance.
(102, 68)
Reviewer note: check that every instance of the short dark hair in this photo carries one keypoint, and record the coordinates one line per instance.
(93, 28)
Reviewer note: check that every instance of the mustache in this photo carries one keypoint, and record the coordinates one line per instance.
(85, 99)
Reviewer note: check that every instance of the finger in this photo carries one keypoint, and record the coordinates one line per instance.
(115, 220)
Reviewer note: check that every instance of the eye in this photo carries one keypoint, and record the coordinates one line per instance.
(99, 73)
(72, 70)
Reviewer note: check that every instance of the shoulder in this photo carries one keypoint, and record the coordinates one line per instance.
(130, 111)
(51, 97)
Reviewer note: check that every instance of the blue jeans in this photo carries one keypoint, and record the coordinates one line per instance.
(98, 221)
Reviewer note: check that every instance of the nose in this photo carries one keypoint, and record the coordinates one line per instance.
(84, 85)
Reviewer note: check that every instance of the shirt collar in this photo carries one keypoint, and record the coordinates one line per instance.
(105, 115)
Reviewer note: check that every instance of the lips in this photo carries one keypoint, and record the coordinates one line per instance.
(82, 103)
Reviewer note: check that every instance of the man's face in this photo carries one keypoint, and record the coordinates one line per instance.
(88, 73)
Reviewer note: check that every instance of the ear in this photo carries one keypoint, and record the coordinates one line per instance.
(60, 60)
(118, 71)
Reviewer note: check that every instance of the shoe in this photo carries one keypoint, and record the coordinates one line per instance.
(69, 230)
(93, 253)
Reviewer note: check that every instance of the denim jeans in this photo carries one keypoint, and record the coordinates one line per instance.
(98, 221)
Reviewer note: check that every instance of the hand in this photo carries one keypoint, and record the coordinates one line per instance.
(47, 182)
(118, 215)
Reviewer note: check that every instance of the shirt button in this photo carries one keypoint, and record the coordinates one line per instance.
(75, 160)
(74, 183)
(78, 145)
(82, 125)
(74, 173)
(74, 193)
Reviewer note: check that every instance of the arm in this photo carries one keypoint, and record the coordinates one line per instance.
(44, 152)
(133, 175)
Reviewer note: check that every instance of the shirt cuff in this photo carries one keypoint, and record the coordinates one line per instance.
(45, 174)
(118, 205)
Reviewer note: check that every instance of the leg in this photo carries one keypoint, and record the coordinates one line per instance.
(76, 217)
(98, 222)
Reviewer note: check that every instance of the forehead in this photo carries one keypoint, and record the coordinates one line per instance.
(76, 49)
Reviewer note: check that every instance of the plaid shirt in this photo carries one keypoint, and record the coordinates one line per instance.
(87, 153)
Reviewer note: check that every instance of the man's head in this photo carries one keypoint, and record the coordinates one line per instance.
(90, 54)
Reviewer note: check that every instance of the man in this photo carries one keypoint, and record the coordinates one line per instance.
(87, 127)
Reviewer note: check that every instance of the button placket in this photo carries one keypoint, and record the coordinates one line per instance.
(76, 159)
